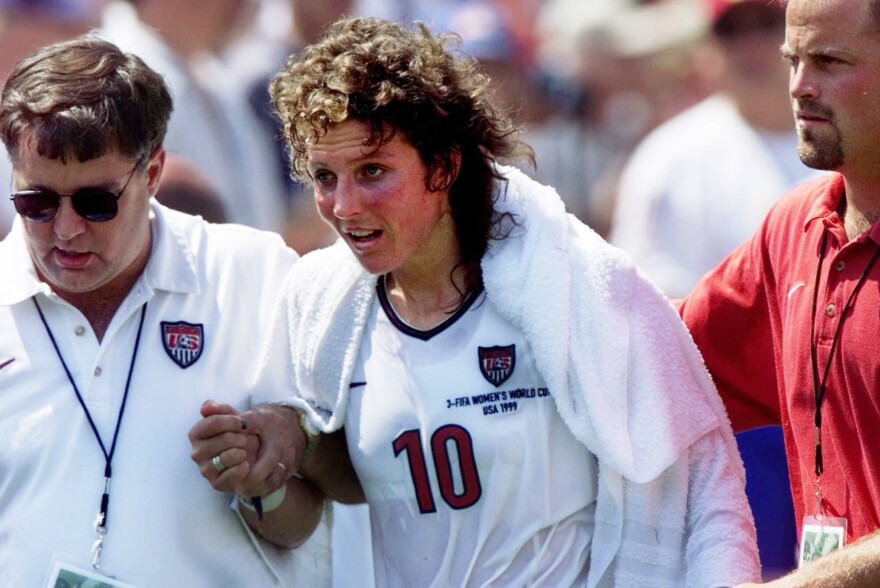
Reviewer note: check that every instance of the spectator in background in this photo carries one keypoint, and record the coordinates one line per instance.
(700, 184)
(210, 127)
(183, 187)
(279, 29)
(616, 69)
(487, 34)
(26, 25)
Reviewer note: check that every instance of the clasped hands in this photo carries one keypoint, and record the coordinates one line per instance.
(250, 453)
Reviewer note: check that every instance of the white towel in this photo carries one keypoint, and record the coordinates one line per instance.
(622, 367)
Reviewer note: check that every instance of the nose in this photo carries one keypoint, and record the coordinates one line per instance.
(801, 83)
(347, 201)
(67, 223)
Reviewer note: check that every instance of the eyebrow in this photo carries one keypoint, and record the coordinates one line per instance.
(377, 154)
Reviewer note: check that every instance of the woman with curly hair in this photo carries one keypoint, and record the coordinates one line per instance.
(515, 402)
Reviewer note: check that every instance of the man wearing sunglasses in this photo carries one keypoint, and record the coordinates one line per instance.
(117, 317)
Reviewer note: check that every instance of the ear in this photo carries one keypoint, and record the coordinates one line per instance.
(155, 165)
(443, 176)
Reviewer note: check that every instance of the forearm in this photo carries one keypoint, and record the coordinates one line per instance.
(292, 522)
(855, 565)
(330, 469)
(323, 460)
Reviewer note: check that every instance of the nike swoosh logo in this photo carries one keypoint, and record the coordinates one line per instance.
(6, 363)
(356, 385)
(795, 288)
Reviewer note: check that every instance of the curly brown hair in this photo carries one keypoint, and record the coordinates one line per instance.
(418, 84)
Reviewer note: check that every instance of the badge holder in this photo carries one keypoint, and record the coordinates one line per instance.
(65, 574)
(820, 534)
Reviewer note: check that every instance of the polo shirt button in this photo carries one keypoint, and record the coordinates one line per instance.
(830, 310)
(80, 331)
(840, 265)
(98, 371)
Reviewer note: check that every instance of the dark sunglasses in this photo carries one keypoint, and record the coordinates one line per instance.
(93, 204)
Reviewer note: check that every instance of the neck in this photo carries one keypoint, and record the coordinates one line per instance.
(425, 306)
(100, 313)
(861, 208)
(856, 221)
(99, 306)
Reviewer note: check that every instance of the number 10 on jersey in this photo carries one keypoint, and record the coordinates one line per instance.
(444, 440)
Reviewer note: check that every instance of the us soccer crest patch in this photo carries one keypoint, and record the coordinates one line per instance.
(183, 342)
(497, 363)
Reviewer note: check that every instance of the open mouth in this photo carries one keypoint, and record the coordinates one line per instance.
(71, 258)
(363, 236)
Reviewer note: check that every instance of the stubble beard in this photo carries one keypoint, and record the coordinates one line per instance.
(819, 153)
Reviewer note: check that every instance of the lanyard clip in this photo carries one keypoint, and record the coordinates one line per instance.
(97, 546)
(99, 525)
(819, 506)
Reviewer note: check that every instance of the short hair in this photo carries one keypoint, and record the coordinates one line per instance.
(416, 83)
(81, 98)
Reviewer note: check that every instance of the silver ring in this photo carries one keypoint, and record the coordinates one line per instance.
(218, 465)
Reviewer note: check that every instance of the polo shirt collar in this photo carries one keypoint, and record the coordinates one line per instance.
(829, 192)
(20, 280)
(826, 204)
(172, 264)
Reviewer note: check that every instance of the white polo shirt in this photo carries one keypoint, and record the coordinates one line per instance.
(209, 292)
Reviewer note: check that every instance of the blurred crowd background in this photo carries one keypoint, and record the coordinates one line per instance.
(665, 125)
(588, 79)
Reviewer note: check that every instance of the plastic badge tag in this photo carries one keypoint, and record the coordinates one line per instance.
(65, 575)
(820, 536)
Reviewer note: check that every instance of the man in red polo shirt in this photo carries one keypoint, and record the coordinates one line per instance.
(789, 324)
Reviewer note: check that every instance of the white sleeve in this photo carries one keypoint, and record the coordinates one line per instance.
(721, 548)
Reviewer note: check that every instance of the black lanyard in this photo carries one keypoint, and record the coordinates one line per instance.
(101, 520)
(819, 386)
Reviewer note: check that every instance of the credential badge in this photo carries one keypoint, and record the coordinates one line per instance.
(497, 363)
(183, 342)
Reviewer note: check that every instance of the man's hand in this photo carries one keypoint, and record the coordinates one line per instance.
(223, 446)
(250, 453)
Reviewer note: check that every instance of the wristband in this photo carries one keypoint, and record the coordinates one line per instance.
(269, 503)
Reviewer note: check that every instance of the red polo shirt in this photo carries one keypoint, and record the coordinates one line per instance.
(751, 319)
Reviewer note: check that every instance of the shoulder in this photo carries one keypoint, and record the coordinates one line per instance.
(215, 246)
(808, 199)
(323, 275)
(220, 234)
(809, 191)
(327, 261)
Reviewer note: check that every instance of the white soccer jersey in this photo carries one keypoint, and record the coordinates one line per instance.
(472, 477)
